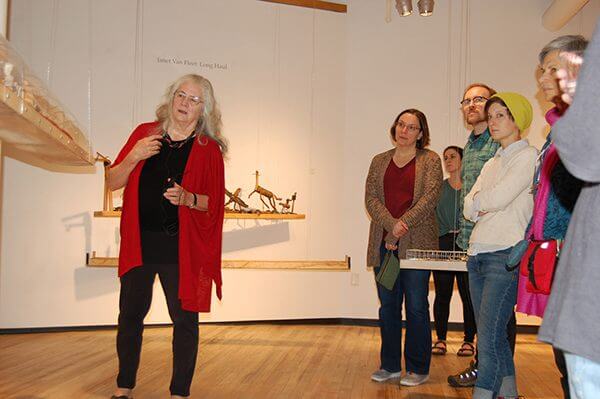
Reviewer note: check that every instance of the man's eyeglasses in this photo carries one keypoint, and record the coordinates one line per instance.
(182, 95)
(411, 128)
(477, 100)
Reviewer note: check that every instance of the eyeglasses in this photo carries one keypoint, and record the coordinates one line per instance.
(477, 100)
(411, 128)
(182, 95)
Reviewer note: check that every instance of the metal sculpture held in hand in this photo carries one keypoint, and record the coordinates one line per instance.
(264, 193)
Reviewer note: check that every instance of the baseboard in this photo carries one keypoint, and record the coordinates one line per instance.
(521, 329)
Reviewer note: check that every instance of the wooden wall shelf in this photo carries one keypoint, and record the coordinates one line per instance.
(228, 215)
(327, 265)
(316, 4)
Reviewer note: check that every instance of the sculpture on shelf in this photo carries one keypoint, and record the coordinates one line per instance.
(264, 193)
(238, 204)
(108, 199)
(286, 207)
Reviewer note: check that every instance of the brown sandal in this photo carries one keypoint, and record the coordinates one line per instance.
(439, 348)
(466, 349)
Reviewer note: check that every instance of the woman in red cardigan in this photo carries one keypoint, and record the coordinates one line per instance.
(171, 225)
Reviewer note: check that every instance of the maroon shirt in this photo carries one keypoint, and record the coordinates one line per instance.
(399, 187)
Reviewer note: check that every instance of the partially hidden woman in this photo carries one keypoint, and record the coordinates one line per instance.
(500, 203)
(171, 225)
(402, 190)
(555, 189)
(448, 217)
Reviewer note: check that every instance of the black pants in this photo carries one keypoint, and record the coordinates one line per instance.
(134, 303)
(561, 364)
(444, 286)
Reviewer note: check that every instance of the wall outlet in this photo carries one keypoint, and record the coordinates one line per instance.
(354, 279)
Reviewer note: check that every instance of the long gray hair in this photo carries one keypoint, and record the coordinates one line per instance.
(209, 123)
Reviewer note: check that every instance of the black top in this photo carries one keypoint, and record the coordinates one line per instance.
(159, 221)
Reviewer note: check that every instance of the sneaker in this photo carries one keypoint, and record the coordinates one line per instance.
(384, 375)
(464, 379)
(411, 379)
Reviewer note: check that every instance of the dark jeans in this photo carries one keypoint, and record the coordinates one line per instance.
(444, 286)
(413, 286)
(511, 336)
(494, 294)
(134, 303)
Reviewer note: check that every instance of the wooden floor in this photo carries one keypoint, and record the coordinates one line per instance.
(244, 361)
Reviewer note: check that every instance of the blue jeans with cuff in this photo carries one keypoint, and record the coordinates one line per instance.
(494, 295)
(412, 286)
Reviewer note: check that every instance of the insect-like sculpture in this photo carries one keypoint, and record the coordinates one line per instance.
(238, 203)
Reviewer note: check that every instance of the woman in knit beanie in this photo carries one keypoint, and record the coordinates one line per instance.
(500, 203)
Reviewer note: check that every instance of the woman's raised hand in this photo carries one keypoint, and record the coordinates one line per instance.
(146, 147)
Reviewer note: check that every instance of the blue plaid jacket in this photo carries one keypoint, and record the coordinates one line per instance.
(478, 150)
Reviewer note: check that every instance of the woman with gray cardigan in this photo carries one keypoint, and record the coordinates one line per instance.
(402, 190)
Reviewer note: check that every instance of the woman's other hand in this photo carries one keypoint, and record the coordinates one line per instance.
(567, 76)
(563, 83)
(176, 195)
(391, 247)
(400, 229)
(146, 147)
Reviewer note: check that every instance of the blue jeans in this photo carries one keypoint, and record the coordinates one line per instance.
(584, 377)
(494, 295)
(412, 285)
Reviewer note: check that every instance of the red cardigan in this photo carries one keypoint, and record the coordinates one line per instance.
(200, 232)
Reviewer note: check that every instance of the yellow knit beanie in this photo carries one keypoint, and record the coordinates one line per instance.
(519, 107)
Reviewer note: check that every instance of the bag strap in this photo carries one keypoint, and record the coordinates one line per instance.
(511, 268)
(530, 263)
(549, 161)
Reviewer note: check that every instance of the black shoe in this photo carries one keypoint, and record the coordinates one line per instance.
(464, 379)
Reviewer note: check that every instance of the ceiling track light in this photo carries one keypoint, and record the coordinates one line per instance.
(425, 7)
(404, 7)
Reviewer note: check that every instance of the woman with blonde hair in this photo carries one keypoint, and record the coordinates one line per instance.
(171, 225)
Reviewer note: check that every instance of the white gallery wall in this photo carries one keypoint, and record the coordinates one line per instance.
(307, 99)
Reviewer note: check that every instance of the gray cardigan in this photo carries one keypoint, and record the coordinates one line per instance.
(420, 217)
(572, 318)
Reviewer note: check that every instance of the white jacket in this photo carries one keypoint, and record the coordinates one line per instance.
(503, 192)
